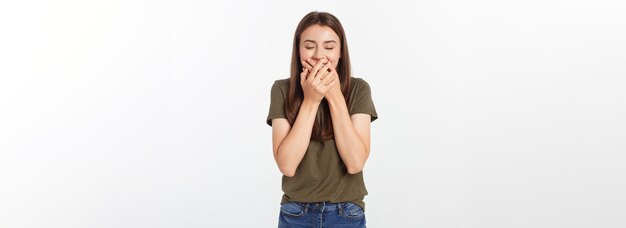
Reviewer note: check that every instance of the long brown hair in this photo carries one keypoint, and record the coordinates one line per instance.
(323, 130)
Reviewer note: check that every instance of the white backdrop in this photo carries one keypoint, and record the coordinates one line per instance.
(152, 113)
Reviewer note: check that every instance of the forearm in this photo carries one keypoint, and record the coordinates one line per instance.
(351, 147)
(293, 148)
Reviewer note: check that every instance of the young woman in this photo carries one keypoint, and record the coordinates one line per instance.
(320, 118)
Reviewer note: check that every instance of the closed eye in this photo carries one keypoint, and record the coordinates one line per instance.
(309, 48)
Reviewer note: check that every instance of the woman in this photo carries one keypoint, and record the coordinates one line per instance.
(320, 118)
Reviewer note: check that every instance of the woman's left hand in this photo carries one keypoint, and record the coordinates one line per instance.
(335, 89)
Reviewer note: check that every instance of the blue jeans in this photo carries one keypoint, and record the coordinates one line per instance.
(321, 215)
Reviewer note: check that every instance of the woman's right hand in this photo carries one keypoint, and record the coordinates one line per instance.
(315, 82)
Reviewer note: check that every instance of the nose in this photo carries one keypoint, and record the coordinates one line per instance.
(318, 56)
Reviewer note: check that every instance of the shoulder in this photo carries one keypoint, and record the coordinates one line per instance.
(359, 83)
(282, 84)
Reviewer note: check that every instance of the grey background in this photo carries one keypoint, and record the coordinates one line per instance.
(152, 113)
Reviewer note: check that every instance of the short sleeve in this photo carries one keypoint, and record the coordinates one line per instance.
(361, 99)
(277, 103)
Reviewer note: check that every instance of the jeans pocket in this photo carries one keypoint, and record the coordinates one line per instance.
(292, 209)
(352, 211)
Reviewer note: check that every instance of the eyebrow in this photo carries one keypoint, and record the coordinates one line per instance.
(328, 41)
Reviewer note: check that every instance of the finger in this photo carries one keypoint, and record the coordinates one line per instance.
(333, 82)
(327, 60)
(333, 71)
(303, 76)
(328, 79)
(324, 71)
(310, 63)
(306, 64)
(331, 65)
(330, 85)
(316, 69)
(330, 76)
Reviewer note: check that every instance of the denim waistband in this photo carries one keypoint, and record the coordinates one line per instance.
(320, 206)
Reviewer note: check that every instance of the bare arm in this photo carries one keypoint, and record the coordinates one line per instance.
(290, 144)
(352, 134)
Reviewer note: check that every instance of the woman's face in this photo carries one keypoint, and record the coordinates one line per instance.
(318, 42)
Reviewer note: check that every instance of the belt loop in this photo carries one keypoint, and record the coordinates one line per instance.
(340, 208)
(306, 207)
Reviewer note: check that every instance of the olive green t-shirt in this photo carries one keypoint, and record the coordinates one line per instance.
(322, 175)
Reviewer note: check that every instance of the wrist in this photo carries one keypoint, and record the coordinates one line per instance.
(310, 104)
(335, 99)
